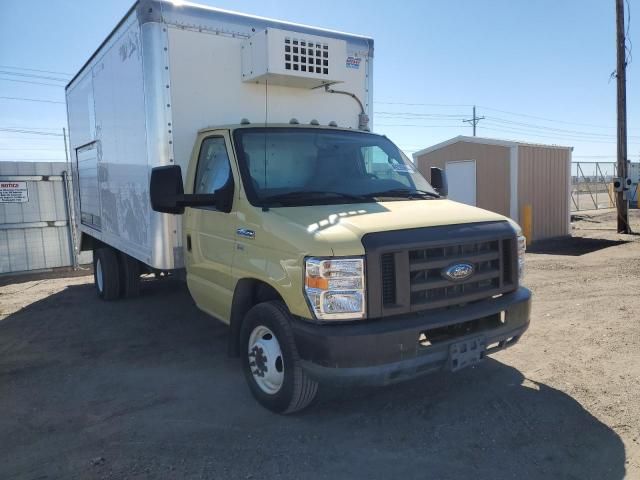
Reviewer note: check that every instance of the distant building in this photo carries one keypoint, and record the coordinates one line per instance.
(505, 177)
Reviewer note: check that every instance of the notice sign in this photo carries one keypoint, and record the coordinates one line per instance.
(13, 192)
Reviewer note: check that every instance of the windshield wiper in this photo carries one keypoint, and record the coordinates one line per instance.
(305, 194)
(403, 192)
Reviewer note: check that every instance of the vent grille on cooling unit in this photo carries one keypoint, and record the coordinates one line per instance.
(306, 56)
(295, 59)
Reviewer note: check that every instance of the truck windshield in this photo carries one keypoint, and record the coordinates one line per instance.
(305, 166)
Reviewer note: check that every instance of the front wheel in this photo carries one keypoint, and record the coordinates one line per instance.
(271, 362)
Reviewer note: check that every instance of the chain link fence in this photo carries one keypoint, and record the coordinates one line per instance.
(592, 185)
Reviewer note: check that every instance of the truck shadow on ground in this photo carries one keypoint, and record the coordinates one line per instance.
(143, 388)
(572, 246)
(60, 272)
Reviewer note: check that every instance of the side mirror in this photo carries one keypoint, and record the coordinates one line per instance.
(439, 181)
(166, 190)
(167, 193)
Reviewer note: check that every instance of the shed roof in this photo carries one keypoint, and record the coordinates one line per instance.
(485, 141)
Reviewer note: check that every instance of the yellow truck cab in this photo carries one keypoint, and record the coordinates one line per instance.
(318, 242)
(332, 258)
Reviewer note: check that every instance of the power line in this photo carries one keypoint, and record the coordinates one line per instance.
(627, 38)
(520, 132)
(29, 127)
(551, 134)
(414, 125)
(25, 139)
(503, 129)
(565, 136)
(27, 149)
(553, 129)
(411, 115)
(20, 159)
(29, 132)
(31, 100)
(33, 83)
(523, 127)
(33, 75)
(544, 118)
(508, 112)
(426, 104)
(37, 70)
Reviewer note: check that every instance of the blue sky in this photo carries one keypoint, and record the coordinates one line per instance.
(538, 70)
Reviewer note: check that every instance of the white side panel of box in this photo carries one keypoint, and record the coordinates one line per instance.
(206, 91)
(119, 128)
(123, 179)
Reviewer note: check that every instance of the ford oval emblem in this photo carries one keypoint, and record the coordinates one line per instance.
(458, 272)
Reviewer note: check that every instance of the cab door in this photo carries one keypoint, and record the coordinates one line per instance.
(209, 232)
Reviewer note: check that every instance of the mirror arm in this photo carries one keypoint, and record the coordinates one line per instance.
(196, 200)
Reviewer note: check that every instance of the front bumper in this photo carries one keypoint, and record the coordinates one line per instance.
(384, 351)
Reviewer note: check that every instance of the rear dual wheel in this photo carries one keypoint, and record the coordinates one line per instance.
(129, 276)
(106, 273)
(115, 274)
(271, 362)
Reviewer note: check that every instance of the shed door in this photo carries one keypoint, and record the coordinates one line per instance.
(461, 178)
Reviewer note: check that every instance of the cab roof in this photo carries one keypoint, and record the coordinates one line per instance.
(239, 126)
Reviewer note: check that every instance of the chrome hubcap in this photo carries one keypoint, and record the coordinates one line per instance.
(265, 360)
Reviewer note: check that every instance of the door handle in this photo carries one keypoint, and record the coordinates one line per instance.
(188, 243)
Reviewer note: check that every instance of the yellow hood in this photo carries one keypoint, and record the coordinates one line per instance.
(342, 226)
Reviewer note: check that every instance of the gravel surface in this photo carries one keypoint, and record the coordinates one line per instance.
(143, 388)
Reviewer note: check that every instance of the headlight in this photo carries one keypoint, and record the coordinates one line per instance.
(522, 248)
(335, 287)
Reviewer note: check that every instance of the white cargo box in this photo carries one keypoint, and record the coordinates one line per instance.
(170, 69)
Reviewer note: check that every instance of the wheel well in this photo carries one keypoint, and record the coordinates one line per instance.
(248, 293)
(88, 243)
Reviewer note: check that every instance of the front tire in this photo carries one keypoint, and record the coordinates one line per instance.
(106, 273)
(270, 360)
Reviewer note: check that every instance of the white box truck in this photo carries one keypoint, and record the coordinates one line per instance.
(236, 150)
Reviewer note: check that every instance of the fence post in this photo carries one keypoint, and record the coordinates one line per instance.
(70, 219)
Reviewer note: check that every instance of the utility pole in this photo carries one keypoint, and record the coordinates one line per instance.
(474, 121)
(621, 201)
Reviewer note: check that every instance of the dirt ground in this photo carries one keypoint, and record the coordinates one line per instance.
(143, 388)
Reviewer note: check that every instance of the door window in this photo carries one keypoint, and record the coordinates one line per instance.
(382, 166)
(213, 169)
